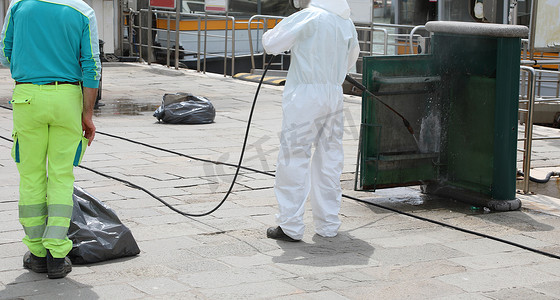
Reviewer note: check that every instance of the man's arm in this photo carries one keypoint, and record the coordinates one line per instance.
(90, 95)
(91, 71)
(283, 36)
(89, 56)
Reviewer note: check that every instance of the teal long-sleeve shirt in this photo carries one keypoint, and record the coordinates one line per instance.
(55, 40)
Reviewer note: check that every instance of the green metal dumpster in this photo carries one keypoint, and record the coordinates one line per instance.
(462, 102)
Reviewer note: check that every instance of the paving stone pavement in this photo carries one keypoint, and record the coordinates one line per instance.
(378, 254)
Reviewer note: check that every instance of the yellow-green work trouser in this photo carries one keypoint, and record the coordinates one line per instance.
(47, 144)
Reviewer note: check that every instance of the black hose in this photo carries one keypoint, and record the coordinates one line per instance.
(5, 138)
(182, 154)
(533, 179)
(457, 228)
(238, 166)
(343, 195)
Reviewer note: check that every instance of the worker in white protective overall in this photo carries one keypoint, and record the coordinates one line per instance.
(324, 47)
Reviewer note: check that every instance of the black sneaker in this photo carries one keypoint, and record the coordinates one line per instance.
(278, 234)
(35, 263)
(58, 267)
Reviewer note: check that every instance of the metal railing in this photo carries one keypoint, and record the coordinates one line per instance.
(402, 37)
(259, 20)
(528, 139)
(542, 59)
(533, 82)
(369, 42)
(385, 38)
(376, 38)
(528, 99)
(411, 36)
(136, 31)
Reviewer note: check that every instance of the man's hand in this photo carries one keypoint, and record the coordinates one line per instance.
(90, 95)
(89, 128)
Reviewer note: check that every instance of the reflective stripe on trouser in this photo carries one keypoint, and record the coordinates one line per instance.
(314, 118)
(47, 128)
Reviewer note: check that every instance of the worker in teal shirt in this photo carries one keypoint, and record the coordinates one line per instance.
(52, 49)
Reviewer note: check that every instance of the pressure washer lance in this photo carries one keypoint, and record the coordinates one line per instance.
(360, 86)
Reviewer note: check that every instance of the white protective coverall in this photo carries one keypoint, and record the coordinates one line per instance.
(324, 46)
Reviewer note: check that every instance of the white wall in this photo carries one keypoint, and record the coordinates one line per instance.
(547, 26)
(105, 14)
(360, 11)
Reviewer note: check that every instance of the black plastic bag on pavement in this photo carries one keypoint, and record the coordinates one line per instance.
(185, 108)
(96, 232)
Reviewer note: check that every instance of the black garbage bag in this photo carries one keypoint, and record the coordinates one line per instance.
(185, 108)
(96, 232)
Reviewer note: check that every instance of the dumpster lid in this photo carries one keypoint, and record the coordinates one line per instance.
(472, 28)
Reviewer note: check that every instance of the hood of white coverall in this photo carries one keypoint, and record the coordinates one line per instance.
(339, 7)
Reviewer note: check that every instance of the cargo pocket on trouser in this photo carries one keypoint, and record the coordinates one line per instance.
(15, 147)
(80, 151)
(19, 98)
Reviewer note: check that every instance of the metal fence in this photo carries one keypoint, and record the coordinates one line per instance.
(139, 34)
(169, 38)
(262, 23)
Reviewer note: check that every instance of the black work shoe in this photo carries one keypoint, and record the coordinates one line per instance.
(58, 267)
(35, 263)
(278, 234)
